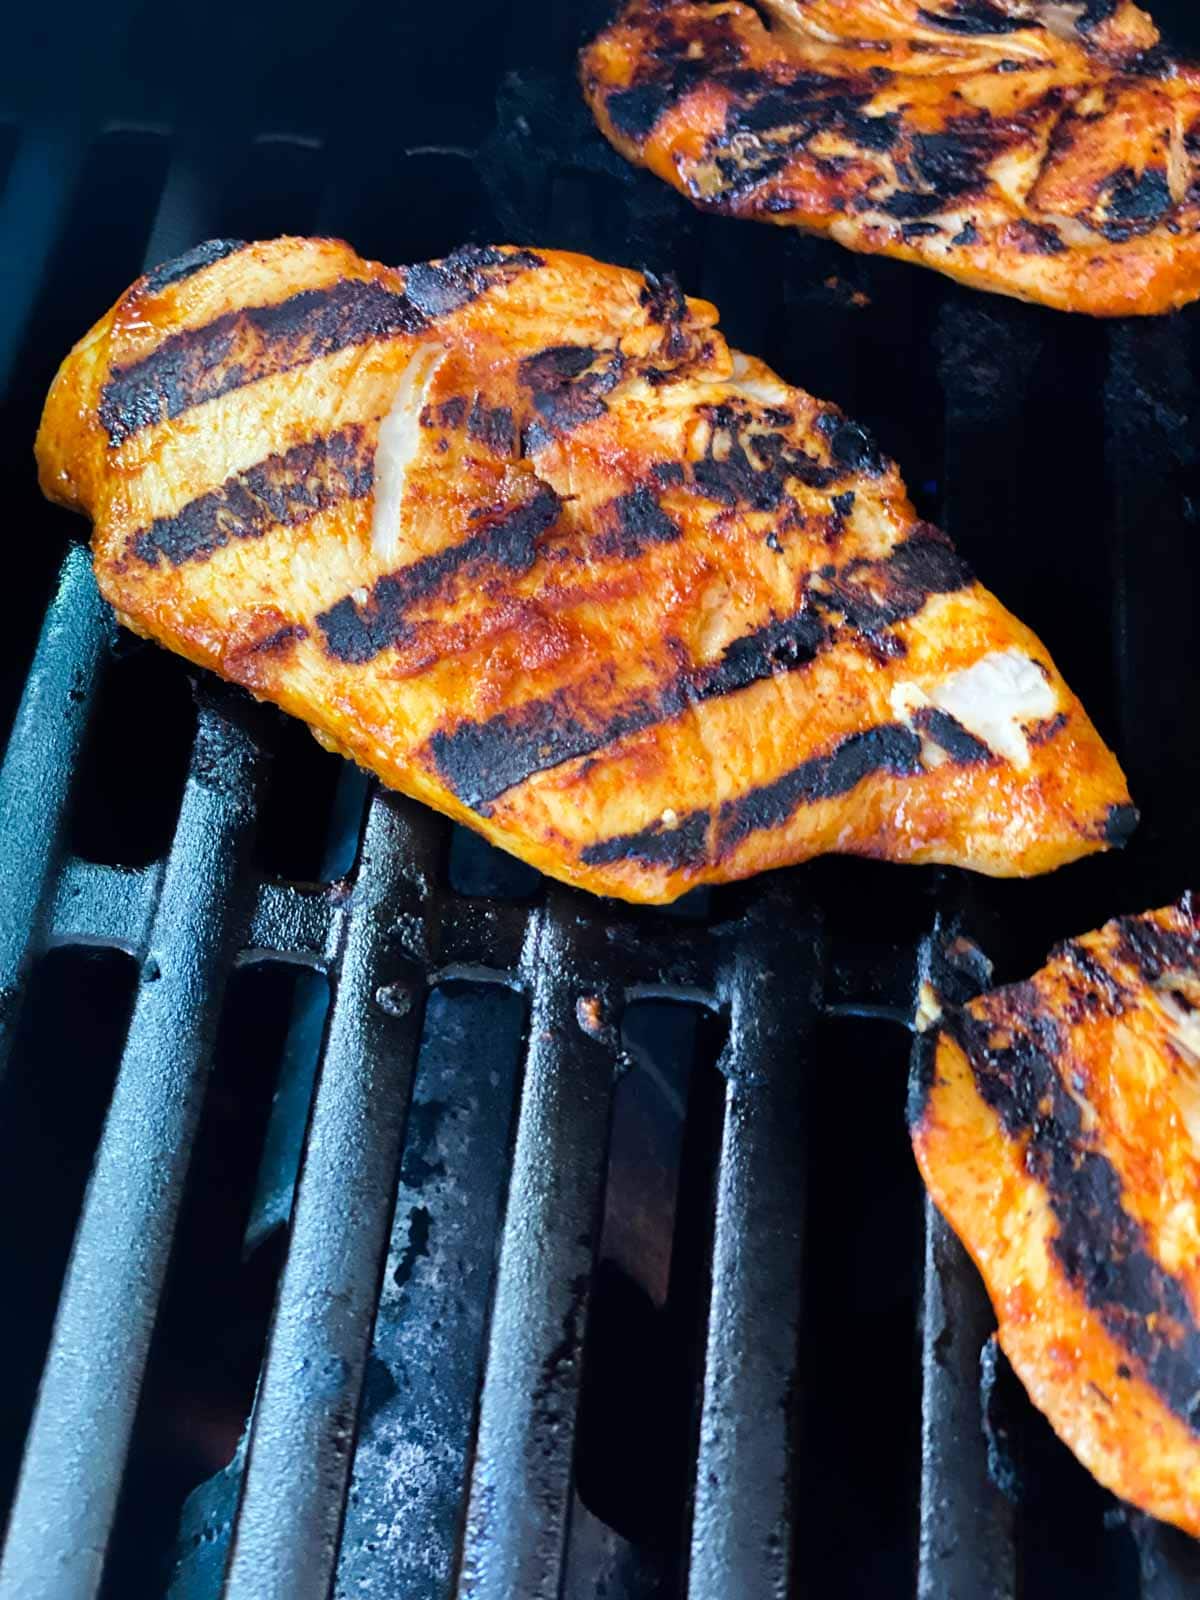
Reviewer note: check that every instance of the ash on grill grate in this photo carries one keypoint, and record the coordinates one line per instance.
(567, 1303)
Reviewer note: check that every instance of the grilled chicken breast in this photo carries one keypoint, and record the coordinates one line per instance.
(1046, 149)
(517, 531)
(1057, 1125)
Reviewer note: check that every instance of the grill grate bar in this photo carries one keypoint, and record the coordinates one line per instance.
(35, 781)
(71, 1474)
(966, 1529)
(286, 1534)
(101, 905)
(742, 1524)
(520, 1494)
(298, 922)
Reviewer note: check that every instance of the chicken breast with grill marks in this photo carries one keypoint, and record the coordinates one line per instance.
(1057, 1126)
(517, 531)
(1048, 149)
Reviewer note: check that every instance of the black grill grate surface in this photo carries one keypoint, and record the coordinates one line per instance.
(599, 1246)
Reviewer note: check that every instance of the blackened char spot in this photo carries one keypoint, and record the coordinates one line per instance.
(727, 473)
(956, 970)
(974, 16)
(873, 595)
(807, 105)
(850, 445)
(1095, 980)
(1135, 202)
(1104, 1252)
(903, 203)
(450, 413)
(639, 522)
(963, 748)
(889, 748)
(241, 347)
(564, 391)
(1154, 950)
(482, 760)
(951, 163)
(944, 167)
(1096, 12)
(674, 848)
(439, 287)
(1036, 238)
(555, 366)
(492, 426)
(843, 504)
(1136, 197)
(674, 62)
(663, 299)
(668, 473)
(780, 646)
(634, 112)
(281, 639)
(1120, 825)
(190, 262)
(282, 490)
(356, 633)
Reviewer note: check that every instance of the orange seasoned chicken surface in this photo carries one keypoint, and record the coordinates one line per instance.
(1048, 149)
(519, 532)
(1057, 1126)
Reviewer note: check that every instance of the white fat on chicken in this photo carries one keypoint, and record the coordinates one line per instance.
(996, 699)
(397, 447)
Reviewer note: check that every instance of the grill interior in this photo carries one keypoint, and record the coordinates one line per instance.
(384, 1220)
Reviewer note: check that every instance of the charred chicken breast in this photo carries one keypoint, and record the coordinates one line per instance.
(1057, 1126)
(519, 532)
(1046, 149)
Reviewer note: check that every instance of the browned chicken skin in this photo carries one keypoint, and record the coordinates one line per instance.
(1046, 149)
(518, 532)
(1057, 1126)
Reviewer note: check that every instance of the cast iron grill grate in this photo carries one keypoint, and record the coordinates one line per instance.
(579, 1248)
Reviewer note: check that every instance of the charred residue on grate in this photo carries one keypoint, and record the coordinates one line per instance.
(406, 1501)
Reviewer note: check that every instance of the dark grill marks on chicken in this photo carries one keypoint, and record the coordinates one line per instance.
(189, 263)
(284, 490)
(1088, 1071)
(357, 631)
(1103, 1250)
(243, 346)
(481, 760)
(1038, 149)
(973, 17)
(552, 558)
(705, 836)
(567, 384)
